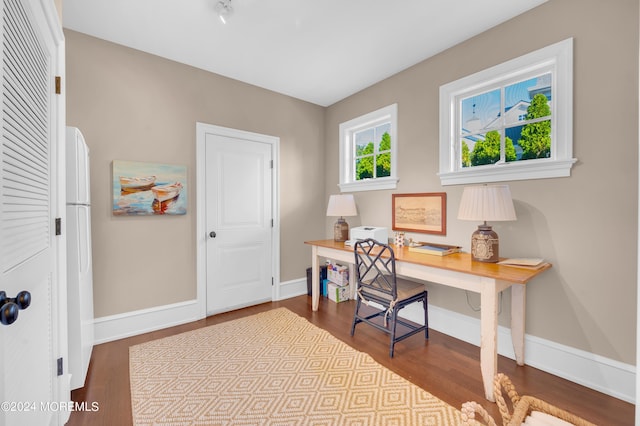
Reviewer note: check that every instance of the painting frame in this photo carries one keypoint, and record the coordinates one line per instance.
(145, 188)
(424, 212)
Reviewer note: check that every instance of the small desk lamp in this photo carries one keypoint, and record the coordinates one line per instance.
(486, 202)
(341, 205)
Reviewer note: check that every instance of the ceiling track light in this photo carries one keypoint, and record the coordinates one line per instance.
(223, 9)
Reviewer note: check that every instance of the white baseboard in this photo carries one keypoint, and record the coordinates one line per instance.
(120, 326)
(603, 374)
(293, 288)
(129, 324)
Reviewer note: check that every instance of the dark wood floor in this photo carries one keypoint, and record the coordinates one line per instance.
(444, 366)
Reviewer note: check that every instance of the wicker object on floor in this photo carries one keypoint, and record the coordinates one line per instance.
(522, 406)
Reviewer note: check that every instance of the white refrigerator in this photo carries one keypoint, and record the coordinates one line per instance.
(79, 264)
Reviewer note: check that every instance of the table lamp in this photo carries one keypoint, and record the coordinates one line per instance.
(486, 203)
(341, 205)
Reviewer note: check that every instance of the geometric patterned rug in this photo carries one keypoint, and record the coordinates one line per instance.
(272, 368)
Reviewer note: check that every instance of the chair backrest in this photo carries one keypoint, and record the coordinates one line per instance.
(375, 267)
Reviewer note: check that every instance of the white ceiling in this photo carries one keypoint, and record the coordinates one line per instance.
(320, 51)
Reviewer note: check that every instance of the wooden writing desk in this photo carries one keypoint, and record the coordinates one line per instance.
(458, 271)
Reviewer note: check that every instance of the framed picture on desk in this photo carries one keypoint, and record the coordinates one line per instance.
(423, 212)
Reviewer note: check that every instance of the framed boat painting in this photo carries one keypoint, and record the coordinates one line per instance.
(149, 189)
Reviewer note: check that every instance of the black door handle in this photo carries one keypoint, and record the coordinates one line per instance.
(212, 234)
(9, 306)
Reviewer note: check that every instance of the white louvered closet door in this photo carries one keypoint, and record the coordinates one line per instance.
(27, 238)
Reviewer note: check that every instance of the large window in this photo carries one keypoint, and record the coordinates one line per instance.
(510, 122)
(368, 147)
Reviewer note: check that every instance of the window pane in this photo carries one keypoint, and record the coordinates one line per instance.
(528, 99)
(480, 112)
(531, 141)
(382, 136)
(480, 149)
(364, 168)
(364, 141)
(466, 146)
(383, 165)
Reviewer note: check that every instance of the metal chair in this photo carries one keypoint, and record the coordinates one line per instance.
(375, 268)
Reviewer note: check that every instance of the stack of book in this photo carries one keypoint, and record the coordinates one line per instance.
(434, 249)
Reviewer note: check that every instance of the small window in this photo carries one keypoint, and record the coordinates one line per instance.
(510, 122)
(368, 147)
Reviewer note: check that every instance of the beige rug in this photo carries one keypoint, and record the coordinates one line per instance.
(273, 368)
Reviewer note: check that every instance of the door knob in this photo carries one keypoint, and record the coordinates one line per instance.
(9, 306)
(212, 234)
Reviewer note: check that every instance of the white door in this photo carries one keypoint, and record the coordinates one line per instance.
(239, 220)
(28, 202)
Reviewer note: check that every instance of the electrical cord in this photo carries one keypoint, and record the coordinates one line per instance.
(477, 309)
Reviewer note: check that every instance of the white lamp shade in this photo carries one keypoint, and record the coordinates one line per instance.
(486, 203)
(342, 205)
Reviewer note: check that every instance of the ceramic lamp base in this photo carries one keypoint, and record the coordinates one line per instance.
(341, 230)
(484, 244)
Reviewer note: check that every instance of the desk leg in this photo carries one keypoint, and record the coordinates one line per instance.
(488, 336)
(518, 302)
(315, 278)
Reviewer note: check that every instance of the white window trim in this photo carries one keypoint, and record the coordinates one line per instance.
(558, 58)
(347, 151)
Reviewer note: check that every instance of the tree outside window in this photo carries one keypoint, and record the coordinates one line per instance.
(536, 137)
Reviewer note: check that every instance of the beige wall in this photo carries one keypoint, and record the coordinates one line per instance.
(139, 107)
(135, 106)
(586, 225)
